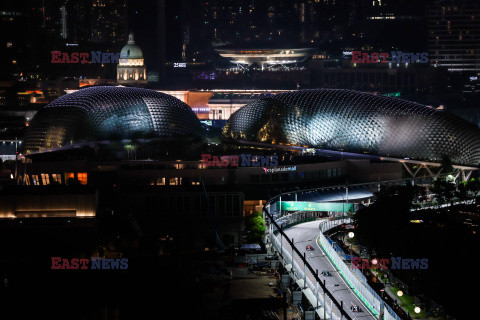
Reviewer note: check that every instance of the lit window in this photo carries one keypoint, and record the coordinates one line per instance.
(45, 179)
(35, 180)
(69, 176)
(82, 178)
(175, 181)
(27, 180)
(157, 181)
(57, 177)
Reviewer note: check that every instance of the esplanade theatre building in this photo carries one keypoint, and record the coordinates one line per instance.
(138, 153)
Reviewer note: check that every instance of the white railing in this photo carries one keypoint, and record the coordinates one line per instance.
(301, 272)
(363, 291)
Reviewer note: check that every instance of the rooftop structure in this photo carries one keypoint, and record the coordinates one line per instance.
(351, 121)
(103, 113)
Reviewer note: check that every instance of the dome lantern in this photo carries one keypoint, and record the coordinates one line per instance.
(130, 38)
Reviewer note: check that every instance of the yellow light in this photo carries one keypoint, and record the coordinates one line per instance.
(399, 293)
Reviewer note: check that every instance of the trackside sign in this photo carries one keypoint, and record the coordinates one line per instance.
(315, 206)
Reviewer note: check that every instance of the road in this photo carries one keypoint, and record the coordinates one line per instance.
(306, 234)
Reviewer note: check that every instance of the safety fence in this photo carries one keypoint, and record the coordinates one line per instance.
(359, 285)
(361, 288)
(326, 303)
(360, 275)
(339, 250)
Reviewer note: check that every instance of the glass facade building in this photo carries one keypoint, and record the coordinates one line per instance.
(104, 113)
(351, 121)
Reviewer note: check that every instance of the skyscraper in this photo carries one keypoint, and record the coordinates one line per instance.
(245, 20)
(162, 57)
(109, 22)
(454, 35)
(63, 12)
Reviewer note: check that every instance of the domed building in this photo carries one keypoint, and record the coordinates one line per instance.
(131, 68)
(106, 113)
(358, 122)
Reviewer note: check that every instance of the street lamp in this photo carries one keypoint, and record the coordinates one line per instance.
(417, 310)
(351, 234)
(399, 293)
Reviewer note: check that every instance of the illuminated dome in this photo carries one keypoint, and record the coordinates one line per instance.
(358, 122)
(131, 50)
(103, 113)
(131, 68)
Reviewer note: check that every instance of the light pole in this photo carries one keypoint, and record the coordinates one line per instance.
(324, 301)
(280, 205)
(281, 242)
(304, 270)
(351, 235)
(345, 200)
(293, 252)
(16, 159)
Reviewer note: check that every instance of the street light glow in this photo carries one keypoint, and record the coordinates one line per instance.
(351, 235)
(399, 293)
(417, 310)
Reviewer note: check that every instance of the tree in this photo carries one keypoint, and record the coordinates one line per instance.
(473, 186)
(444, 190)
(463, 192)
(255, 227)
(446, 165)
(227, 240)
(382, 224)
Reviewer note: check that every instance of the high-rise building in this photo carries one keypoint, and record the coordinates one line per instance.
(454, 35)
(78, 21)
(108, 21)
(226, 21)
(22, 41)
(63, 12)
(162, 54)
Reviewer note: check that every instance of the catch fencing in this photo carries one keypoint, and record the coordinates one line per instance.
(328, 307)
(361, 288)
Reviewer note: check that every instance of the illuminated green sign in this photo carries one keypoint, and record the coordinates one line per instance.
(392, 94)
(315, 206)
